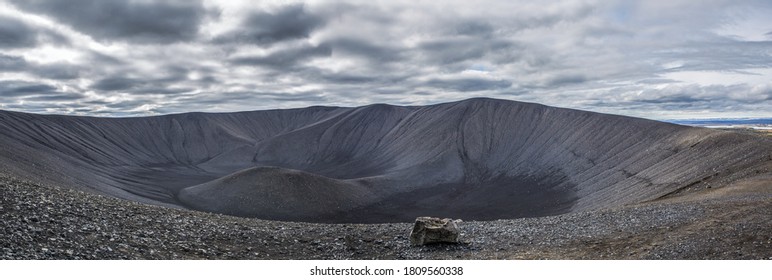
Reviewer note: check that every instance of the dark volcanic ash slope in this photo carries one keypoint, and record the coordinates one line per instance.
(277, 193)
(474, 159)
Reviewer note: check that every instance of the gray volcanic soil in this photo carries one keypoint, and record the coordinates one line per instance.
(595, 185)
(478, 159)
(44, 222)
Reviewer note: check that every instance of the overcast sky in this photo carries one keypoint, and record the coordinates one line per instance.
(654, 59)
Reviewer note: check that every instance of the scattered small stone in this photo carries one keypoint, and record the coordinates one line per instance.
(183, 234)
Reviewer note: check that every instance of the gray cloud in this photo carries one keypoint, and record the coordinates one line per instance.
(165, 79)
(267, 27)
(103, 58)
(16, 88)
(56, 71)
(680, 98)
(468, 84)
(139, 86)
(723, 54)
(286, 58)
(655, 81)
(344, 78)
(162, 90)
(9, 63)
(566, 79)
(474, 28)
(450, 51)
(644, 58)
(116, 83)
(135, 21)
(58, 97)
(695, 93)
(683, 97)
(211, 99)
(364, 49)
(17, 34)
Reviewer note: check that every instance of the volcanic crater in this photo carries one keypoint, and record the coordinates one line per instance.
(477, 159)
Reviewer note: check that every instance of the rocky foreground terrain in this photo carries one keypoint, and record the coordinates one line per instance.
(48, 222)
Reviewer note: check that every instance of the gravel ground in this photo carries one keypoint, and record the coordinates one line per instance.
(46, 222)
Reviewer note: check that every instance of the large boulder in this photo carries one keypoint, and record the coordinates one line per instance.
(429, 230)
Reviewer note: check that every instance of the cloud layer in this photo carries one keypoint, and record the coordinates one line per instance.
(655, 59)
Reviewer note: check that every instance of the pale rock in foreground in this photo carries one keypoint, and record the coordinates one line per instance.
(429, 230)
